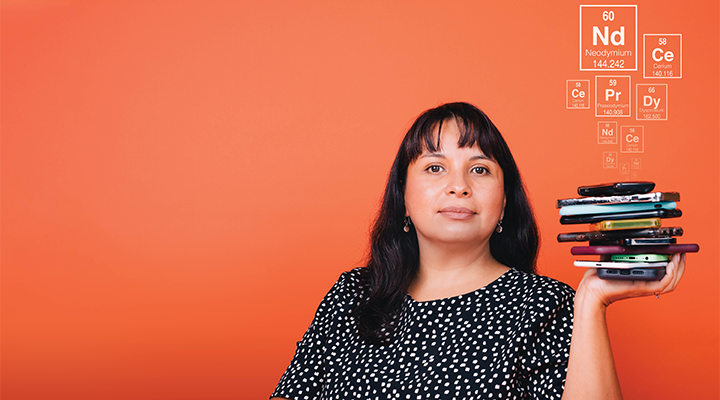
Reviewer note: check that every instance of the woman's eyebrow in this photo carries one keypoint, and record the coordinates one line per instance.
(441, 155)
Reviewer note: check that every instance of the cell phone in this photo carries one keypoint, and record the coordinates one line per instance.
(652, 249)
(628, 224)
(640, 257)
(591, 218)
(636, 274)
(633, 241)
(584, 209)
(621, 198)
(615, 188)
(628, 233)
(648, 241)
(619, 264)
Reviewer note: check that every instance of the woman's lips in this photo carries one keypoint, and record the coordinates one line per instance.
(457, 212)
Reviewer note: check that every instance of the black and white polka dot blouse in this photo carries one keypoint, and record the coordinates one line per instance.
(507, 340)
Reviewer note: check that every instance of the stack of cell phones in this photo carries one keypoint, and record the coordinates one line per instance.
(625, 229)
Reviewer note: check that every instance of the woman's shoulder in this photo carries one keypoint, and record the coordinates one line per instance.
(342, 296)
(348, 287)
(535, 285)
(353, 277)
(351, 280)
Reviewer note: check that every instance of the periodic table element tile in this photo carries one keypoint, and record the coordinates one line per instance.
(624, 168)
(612, 96)
(662, 56)
(610, 159)
(608, 37)
(636, 163)
(577, 94)
(607, 132)
(632, 139)
(651, 101)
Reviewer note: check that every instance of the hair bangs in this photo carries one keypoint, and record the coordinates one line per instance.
(426, 134)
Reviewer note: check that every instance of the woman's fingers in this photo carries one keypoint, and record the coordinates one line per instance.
(676, 268)
(665, 285)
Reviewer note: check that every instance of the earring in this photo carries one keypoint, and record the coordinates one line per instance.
(407, 225)
(499, 227)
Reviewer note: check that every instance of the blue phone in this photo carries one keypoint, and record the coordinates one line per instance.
(584, 209)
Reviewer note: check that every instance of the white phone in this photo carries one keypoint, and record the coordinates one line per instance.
(619, 264)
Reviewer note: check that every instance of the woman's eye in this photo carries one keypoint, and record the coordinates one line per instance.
(480, 170)
(434, 168)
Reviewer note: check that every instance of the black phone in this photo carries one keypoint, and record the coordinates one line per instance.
(615, 188)
(650, 241)
(622, 234)
(633, 241)
(591, 218)
(634, 274)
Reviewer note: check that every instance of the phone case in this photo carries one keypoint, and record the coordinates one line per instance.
(583, 209)
(635, 274)
(619, 264)
(592, 218)
(605, 189)
(633, 241)
(627, 233)
(628, 224)
(652, 249)
(640, 257)
(627, 198)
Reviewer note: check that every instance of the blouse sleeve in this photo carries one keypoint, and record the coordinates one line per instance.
(546, 360)
(303, 379)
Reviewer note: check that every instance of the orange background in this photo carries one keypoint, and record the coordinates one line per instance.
(183, 181)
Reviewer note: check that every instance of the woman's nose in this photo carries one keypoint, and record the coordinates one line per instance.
(458, 185)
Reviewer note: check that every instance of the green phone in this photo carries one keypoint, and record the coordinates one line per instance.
(640, 257)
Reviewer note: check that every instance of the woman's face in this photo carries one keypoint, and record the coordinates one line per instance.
(455, 195)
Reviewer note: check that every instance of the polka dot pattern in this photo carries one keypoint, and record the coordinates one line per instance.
(507, 340)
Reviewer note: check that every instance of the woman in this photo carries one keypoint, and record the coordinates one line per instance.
(449, 305)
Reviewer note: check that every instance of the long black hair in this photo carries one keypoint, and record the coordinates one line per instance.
(394, 255)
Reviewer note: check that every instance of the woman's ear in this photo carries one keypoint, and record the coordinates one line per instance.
(407, 214)
(502, 212)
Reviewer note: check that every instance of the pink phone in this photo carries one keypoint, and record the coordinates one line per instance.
(650, 249)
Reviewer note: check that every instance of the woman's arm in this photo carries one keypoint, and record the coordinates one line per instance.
(591, 368)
